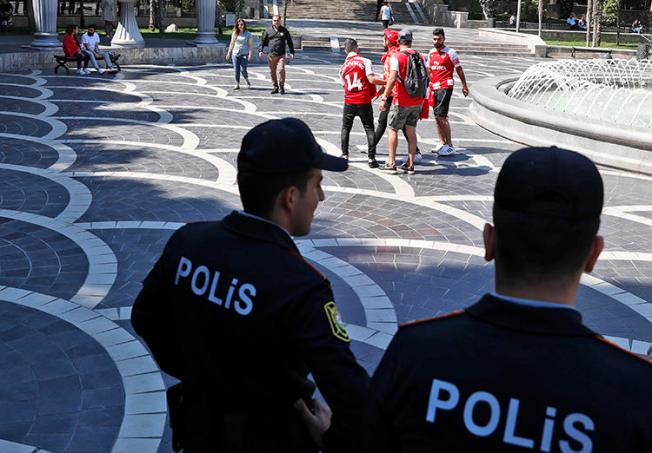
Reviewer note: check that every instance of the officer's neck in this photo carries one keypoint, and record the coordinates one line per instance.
(277, 220)
(561, 291)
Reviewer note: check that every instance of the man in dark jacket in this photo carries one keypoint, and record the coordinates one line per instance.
(518, 371)
(234, 311)
(276, 38)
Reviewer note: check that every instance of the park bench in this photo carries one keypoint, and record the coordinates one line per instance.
(62, 61)
(591, 50)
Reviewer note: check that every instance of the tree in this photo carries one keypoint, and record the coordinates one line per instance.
(597, 22)
(152, 14)
(488, 8)
(285, 12)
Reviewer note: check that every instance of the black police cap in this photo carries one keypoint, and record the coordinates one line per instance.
(284, 146)
(549, 183)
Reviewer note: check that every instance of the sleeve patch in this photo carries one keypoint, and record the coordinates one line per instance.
(335, 321)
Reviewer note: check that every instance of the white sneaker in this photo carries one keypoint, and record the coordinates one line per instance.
(446, 150)
(418, 158)
(81, 72)
(101, 71)
(437, 148)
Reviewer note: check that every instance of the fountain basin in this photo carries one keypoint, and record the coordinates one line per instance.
(606, 143)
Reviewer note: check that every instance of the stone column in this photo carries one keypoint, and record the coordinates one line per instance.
(45, 18)
(127, 34)
(205, 23)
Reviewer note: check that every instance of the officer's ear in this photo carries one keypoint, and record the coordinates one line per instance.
(489, 236)
(594, 253)
(287, 198)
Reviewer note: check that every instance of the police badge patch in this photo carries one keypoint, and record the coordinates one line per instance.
(335, 320)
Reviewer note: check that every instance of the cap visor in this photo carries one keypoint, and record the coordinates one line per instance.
(332, 163)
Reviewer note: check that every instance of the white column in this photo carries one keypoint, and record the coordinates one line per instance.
(205, 22)
(45, 18)
(127, 34)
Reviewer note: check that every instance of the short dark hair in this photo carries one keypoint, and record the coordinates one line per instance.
(91, 26)
(70, 28)
(350, 45)
(438, 32)
(535, 248)
(259, 191)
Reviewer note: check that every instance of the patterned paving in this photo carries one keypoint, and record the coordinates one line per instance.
(96, 173)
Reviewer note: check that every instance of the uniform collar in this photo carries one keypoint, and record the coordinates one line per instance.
(526, 318)
(351, 54)
(244, 224)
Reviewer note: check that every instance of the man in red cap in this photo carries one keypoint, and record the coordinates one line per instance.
(391, 47)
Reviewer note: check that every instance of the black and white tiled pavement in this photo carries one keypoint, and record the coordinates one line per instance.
(96, 173)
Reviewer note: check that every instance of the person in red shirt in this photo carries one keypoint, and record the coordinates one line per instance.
(405, 109)
(442, 61)
(359, 82)
(71, 47)
(391, 47)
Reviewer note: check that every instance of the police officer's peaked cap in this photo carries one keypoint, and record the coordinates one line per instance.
(549, 183)
(284, 146)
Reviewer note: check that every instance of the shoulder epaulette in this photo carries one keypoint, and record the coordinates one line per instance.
(436, 318)
(602, 339)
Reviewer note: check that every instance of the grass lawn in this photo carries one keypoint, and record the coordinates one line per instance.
(603, 44)
(183, 33)
(190, 33)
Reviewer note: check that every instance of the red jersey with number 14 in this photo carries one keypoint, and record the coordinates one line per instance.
(354, 72)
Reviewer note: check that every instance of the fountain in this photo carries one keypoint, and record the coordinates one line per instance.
(602, 108)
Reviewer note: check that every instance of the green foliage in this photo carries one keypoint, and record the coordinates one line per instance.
(187, 5)
(530, 11)
(610, 9)
(565, 8)
(232, 5)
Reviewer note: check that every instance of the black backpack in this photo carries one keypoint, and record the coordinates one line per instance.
(416, 76)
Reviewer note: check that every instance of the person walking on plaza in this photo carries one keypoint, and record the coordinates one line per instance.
(109, 16)
(442, 60)
(386, 14)
(240, 50)
(235, 312)
(91, 48)
(407, 86)
(518, 370)
(71, 47)
(390, 45)
(357, 75)
(276, 37)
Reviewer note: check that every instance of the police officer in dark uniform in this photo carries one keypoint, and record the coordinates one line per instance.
(234, 311)
(518, 371)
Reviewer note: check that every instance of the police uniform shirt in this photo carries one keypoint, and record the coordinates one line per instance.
(507, 377)
(233, 310)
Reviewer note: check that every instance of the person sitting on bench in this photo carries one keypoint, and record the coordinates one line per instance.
(91, 48)
(71, 47)
(6, 12)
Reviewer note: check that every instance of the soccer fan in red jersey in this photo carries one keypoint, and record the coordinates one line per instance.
(441, 61)
(358, 78)
(405, 109)
(391, 47)
(71, 47)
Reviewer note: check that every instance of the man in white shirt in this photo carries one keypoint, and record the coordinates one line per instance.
(386, 14)
(91, 47)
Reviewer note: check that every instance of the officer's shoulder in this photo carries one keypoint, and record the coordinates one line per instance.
(612, 351)
(194, 231)
(432, 322)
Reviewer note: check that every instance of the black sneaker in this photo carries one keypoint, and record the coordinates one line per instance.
(407, 169)
(345, 156)
(391, 169)
(373, 163)
(282, 89)
(275, 90)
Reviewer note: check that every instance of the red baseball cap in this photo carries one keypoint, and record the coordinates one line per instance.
(392, 36)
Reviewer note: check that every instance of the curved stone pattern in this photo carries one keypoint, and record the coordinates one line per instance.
(96, 174)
